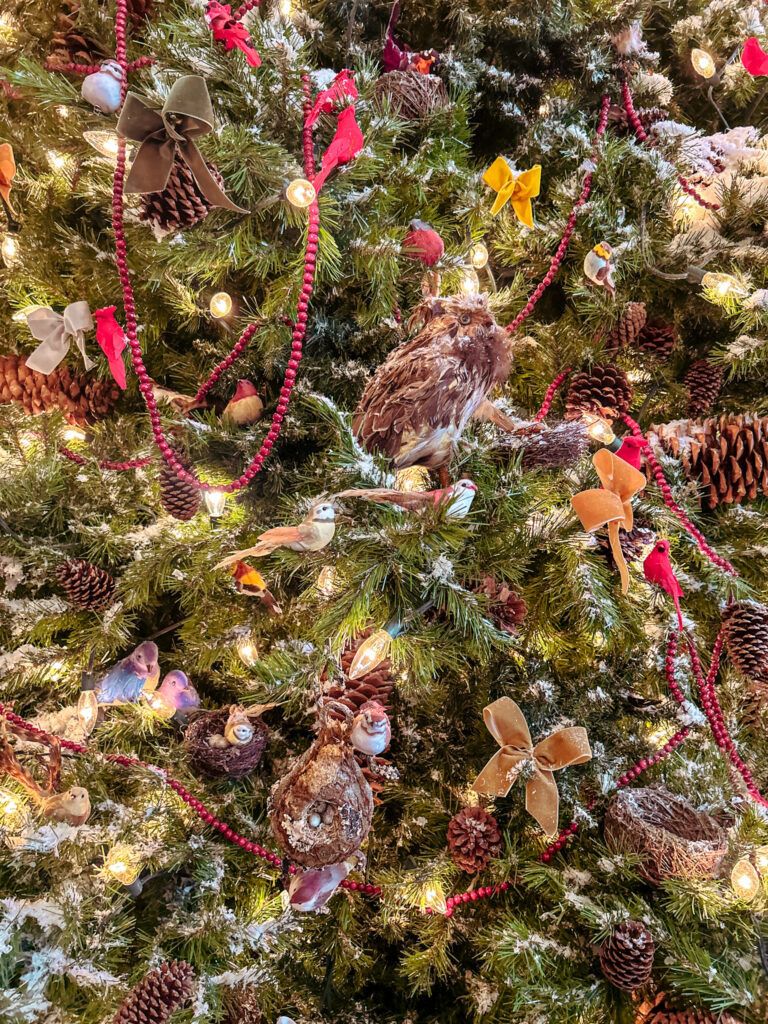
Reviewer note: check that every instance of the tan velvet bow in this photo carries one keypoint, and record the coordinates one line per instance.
(507, 725)
(186, 115)
(54, 331)
(610, 505)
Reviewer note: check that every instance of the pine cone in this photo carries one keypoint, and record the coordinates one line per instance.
(86, 585)
(659, 1011)
(474, 839)
(657, 338)
(703, 381)
(242, 1007)
(140, 11)
(157, 997)
(619, 121)
(71, 46)
(505, 607)
(604, 390)
(633, 543)
(627, 956)
(754, 705)
(180, 205)
(727, 455)
(178, 498)
(83, 399)
(625, 332)
(745, 630)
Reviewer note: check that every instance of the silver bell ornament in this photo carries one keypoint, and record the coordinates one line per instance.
(598, 267)
(103, 89)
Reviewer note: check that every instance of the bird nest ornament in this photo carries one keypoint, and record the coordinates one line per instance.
(411, 94)
(321, 811)
(671, 837)
(227, 743)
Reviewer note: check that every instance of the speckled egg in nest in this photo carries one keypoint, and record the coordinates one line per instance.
(229, 761)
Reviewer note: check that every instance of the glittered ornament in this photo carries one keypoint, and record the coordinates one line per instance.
(103, 89)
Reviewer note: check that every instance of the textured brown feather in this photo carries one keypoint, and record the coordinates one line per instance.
(405, 499)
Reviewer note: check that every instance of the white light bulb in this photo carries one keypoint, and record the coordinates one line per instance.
(88, 710)
(73, 434)
(479, 255)
(300, 193)
(371, 652)
(598, 428)
(745, 880)
(434, 899)
(328, 581)
(57, 160)
(105, 143)
(247, 650)
(215, 502)
(703, 63)
(412, 478)
(9, 250)
(122, 863)
(220, 305)
(286, 8)
(469, 283)
(724, 285)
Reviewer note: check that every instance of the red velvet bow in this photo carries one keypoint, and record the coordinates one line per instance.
(230, 32)
(112, 341)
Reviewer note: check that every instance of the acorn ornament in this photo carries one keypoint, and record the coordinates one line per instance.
(599, 268)
(244, 407)
(103, 89)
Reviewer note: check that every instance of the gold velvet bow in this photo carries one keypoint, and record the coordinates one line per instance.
(54, 331)
(507, 725)
(610, 505)
(518, 189)
(7, 173)
(185, 116)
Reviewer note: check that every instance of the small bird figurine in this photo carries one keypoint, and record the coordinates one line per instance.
(598, 267)
(457, 497)
(177, 691)
(631, 450)
(72, 806)
(312, 534)
(249, 581)
(310, 888)
(657, 568)
(423, 243)
(341, 90)
(417, 404)
(103, 89)
(371, 731)
(245, 406)
(233, 34)
(125, 682)
(238, 730)
(399, 56)
(345, 145)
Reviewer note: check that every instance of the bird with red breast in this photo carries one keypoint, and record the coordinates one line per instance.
(657, 569)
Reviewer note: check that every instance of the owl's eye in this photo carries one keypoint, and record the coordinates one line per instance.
(465, 318)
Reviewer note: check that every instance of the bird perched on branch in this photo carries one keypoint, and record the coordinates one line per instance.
(245, 406)
(457, 497)
(419, 401)
(657, 568)
(344, 146)
(249, 581)
(135, 675)
(313, 534)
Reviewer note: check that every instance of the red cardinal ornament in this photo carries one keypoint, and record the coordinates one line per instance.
(245, 406)
(345, 145)
(754, 58)
(112, 341)
(632, 450)
(232, 33)
(423, 243)
(341, 90)
(658, 569)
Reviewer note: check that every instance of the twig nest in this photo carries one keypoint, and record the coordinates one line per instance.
(671, 836)
(321, 811)
(211, 753)
(413, 95)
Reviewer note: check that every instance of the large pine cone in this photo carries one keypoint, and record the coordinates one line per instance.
(603, 390)
(505, 607)
(627, 956)
(140, 11)
(745, 630)
(474, 839)
(157, 997)
(178, 497)
(659, 1011)
(656, 338)
(626, 331)
(69, 45)
(180, 205)
(86, 585)
(83, 399)
(412, 95)
(618, 118)
(703, 381)
(727, 455)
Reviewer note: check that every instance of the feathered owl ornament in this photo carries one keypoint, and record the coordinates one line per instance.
(417, 404)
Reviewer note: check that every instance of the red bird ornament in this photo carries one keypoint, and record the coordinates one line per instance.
(232, 33)
(754, 58)
(657, 569)
(345, 145)
(423, 243)
(631, 451)
(341, 90)
(111, 340)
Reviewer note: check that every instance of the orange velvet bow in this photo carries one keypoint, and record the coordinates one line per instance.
(610, 505)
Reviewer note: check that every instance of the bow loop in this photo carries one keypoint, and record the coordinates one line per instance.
(54, 331)
(186, 115)
(520, 189)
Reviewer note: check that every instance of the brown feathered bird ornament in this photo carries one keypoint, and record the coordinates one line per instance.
(417, 404)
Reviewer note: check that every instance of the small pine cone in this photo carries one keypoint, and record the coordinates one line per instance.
(68, 44)
(140, 11)
(745, 630)
(180, 205)
(754, 706)
(627, 956)
(604, 390)
(625, 332)
(83, 399)
(178, 498)
(474, 839)
(157, 997)
(703, 381)
(633, 544)
(619, 120)
(659, 1010)
(86, 585)
(657, 338)
(505, 607)
(242, 1007)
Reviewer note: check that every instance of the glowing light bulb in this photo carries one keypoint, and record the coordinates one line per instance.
(62, 111)
(216, 503)
(703, 63)
(328, 581)
(412, 478)
(122, 863)
(105, 143)
(745, 880)
(9, 250)
(247, 650)
(220, 305)
(761, 859)
(479, 255)
(160, 705)
(301, 193)
(88, 710)
(724, 285)
(286, 8)
(73, 434)
(598, 428)
(433, 899)
(58, 161)
(469, 283)
(371, 652)
(10, 804)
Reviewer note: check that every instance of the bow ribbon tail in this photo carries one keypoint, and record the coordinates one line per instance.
(205, 180)
(49, 354)
(496, 778)
(502, 197)
(80, 342)
(618, 554)
(542, 800)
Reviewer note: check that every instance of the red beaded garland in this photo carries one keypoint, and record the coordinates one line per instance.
(549, 396)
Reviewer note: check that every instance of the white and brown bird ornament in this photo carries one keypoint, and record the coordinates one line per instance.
(598, 267)
(456, 498)
(370, 732)
(244, 407)
(312, 534)
(103, 88)
(417, 404)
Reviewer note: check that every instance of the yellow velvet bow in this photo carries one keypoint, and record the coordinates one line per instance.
(506, 723)
(518, 189)
(7, 173)
(610, 505)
